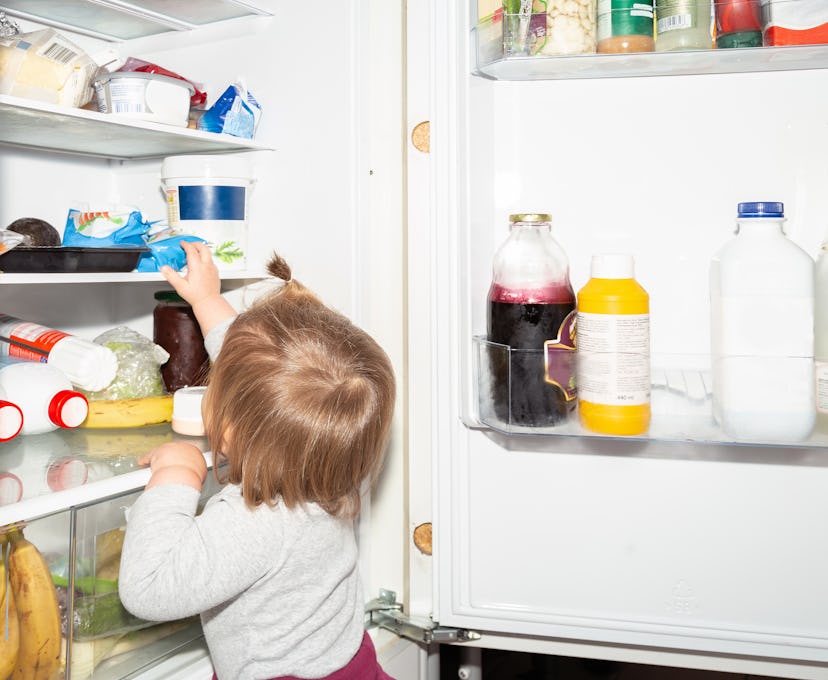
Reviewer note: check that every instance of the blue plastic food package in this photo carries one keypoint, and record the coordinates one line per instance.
(105, 229)
(236, 112)
(166, 251)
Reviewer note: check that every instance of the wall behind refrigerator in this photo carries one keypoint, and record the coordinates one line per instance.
(651, 166)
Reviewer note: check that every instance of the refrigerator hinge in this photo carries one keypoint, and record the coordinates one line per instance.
(385, 612)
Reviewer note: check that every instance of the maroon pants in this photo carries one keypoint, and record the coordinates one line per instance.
(363, 666)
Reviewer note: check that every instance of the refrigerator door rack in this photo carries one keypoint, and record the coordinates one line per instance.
(492, 63)
(681, 400)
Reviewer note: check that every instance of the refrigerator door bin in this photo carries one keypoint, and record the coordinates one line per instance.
(681, 396)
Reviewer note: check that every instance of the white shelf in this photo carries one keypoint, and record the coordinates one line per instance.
(113, 277)
(645, 64)
(31, 124)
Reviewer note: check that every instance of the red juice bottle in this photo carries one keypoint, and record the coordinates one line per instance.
(531, 308)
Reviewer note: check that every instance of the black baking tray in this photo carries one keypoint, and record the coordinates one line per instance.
(67, 259)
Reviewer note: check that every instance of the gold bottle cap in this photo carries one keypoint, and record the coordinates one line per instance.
(530, 217)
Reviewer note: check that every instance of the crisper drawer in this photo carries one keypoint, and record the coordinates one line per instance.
(100, 639)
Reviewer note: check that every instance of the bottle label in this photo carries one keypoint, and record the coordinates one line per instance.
(822, 386)
(559, 358)
(674, 15)
(624, 17)
(614, 358)
(26, 340)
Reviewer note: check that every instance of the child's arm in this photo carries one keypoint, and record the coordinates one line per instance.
(176, 463)
(201, 286)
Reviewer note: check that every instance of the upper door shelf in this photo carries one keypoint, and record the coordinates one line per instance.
(37, 125)
(491, 63)
(117, 20)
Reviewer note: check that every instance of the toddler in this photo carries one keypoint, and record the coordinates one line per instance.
(299, 406)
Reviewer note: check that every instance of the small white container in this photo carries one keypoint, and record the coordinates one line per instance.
(209, 197)
(186, 417)
(144, 96)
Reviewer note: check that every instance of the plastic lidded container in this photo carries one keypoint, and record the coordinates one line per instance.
(144, 96)
(614, 348)
(684, 25)
(625, 26)
(176, 329)
(186, 416)
(209, 196)
(762, 330)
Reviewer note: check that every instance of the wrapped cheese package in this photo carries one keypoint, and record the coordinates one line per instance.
(45, 66)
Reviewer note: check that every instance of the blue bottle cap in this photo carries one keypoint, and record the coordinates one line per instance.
(762, 209)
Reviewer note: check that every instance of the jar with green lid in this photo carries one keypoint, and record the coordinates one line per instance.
(175, 328)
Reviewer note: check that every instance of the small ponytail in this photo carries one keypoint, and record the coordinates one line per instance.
(294, 289)
(279, 268)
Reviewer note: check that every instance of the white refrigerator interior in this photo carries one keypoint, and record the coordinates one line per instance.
(328, 167)
(678, 547)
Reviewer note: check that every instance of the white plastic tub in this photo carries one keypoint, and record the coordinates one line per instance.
(144, 96)
(208, 196)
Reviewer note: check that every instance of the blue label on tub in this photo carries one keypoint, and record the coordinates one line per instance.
(211, 203)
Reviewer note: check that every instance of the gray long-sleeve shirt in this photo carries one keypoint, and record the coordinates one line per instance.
(278, 590)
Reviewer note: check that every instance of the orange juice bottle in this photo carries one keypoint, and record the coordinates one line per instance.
(613, 341)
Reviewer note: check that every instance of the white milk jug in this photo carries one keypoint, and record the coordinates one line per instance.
(762, 331)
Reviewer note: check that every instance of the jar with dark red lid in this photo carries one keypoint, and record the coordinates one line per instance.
(175, 328)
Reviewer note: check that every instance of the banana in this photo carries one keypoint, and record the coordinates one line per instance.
(38, 615)
(9, 629)
(129, 412)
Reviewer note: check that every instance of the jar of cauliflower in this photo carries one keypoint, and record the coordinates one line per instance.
(570, 26)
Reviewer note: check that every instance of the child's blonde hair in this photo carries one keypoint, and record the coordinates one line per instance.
(300, 402)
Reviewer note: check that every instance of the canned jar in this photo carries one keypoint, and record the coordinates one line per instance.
(175, 328)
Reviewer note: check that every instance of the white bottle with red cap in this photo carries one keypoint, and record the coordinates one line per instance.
(44, 395)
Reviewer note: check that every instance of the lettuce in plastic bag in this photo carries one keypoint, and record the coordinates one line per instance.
(139, 366)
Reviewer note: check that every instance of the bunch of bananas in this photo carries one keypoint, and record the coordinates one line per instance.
(30, 618)
(129, 412)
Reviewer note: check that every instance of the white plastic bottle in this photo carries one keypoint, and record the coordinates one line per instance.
(87, 365)
(762, 331)
(821, 337)
(11, 418)
(44, 395)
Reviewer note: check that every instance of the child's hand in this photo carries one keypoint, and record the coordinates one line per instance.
(201, 286)
(201, 281)
(175, 463)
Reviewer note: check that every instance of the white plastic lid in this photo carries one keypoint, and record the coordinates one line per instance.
(612, 266)
(11, 420)
(205, 166)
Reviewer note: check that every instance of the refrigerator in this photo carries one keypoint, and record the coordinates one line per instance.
(395, 141)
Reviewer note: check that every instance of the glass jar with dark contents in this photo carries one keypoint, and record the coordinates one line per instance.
(175, 328)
